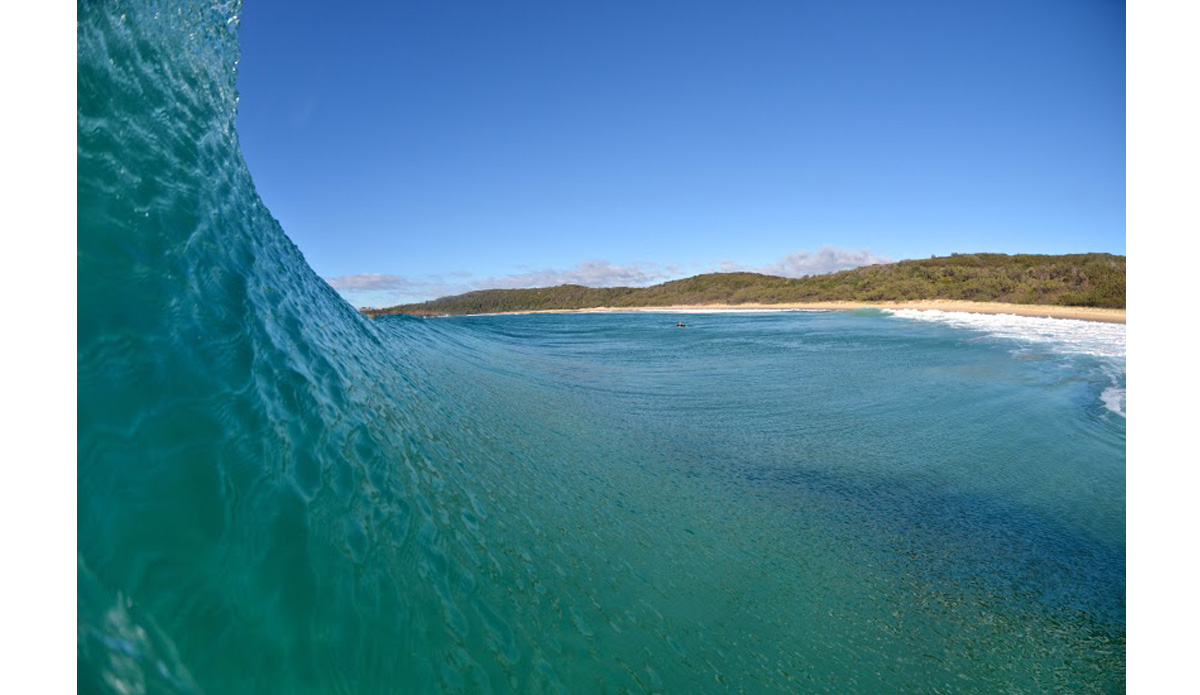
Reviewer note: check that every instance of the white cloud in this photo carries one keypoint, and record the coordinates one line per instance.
(727, 266)
(370, 281)
(827, 260)
(383, 289)
(590, 273)
(803, 263)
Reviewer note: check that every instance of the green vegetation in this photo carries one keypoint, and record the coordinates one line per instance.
(1089, 279)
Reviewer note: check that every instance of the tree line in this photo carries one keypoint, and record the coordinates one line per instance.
(1088, 279)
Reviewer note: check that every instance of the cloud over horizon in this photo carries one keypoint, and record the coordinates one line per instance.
(827, 260)
(589, 273)
(370, 281)
(397, 289)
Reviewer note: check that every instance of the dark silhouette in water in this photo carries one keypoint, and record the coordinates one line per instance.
(680, 325)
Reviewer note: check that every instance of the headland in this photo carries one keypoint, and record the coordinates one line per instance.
(1088, 286)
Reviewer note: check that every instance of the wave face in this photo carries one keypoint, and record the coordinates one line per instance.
(278, 495)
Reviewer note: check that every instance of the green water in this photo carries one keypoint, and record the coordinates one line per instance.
(278, 495)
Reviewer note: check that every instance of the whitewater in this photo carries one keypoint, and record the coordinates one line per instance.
(277, 494)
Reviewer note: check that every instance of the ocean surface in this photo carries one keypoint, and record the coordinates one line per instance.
(276, 494)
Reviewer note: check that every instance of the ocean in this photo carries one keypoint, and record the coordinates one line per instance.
(277, 494)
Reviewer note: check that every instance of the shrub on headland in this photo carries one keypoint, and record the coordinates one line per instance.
(1087, 279)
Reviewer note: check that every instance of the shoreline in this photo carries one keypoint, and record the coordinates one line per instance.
(1036, 310)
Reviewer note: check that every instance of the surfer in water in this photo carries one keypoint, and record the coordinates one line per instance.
(680, 324)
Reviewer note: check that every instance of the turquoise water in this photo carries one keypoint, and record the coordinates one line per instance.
(279, 495)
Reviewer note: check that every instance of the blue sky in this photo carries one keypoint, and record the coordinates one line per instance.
(415, 149)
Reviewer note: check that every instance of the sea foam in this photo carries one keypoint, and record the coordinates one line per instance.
(1066, 336)
(1061, 335)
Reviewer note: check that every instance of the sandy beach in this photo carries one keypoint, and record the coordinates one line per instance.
(1058, 312)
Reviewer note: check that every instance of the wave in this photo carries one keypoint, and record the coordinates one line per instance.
(1066, 335)
(278, 494)
(1105, 341)
(1114, 399)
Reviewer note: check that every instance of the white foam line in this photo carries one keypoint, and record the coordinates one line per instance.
(1065, 335)
(1104, 340)
(1114, 400)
